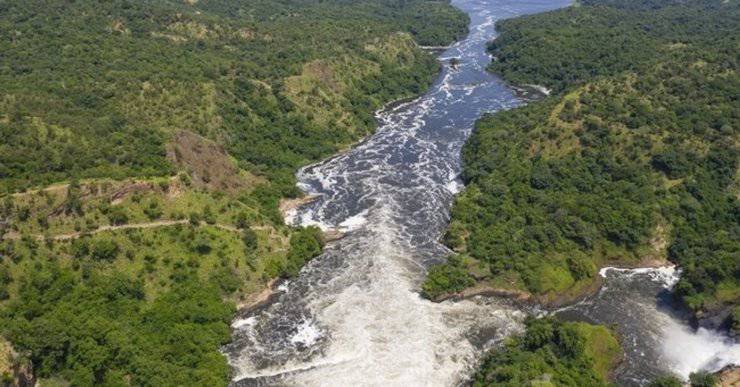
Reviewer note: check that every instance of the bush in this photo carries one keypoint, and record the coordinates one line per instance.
(194, 219)
(201, 243)
(702, 379)
(249, 238)
(80, 247)
(153, 210)
(117, 215)
(450, 277)
(104, 249)
(208, 215)
(570, 354)
(305, 243)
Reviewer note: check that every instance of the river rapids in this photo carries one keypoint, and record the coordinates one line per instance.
(354, 316)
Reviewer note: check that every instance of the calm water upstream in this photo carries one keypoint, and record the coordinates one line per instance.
(354, 316)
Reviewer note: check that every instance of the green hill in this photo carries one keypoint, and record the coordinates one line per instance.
(96, 89)
(633, 160)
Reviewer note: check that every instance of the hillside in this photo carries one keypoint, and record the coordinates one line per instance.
(97, 89)
(633, 160)
(146, 146)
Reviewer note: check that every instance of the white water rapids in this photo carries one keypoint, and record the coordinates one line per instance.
(354, 316)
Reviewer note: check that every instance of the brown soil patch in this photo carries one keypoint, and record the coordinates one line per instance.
(256, 300)
(208, 164)
(121, 193)
(729, 376)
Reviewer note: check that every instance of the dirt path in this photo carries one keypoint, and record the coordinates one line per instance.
(158, 223)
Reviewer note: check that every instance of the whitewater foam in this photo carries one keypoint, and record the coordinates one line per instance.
(688, 351)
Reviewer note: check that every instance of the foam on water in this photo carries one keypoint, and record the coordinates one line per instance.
(354, 315)
(687, 351)
(354, 221)
(667, 276)
(308, 334)
(655, 335)
(243, 322)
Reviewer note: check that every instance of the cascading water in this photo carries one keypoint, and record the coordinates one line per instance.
(354, 315)
(653, 334)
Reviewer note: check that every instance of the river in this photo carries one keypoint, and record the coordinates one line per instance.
(354, 316)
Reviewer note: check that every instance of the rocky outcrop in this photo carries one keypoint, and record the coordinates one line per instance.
(728, 376)
(719, 318)
(15, 370)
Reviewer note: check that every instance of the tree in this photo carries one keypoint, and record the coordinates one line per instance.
(117, 215)
(249, 238)
(104, 249)
(666, 381)
(702, 379)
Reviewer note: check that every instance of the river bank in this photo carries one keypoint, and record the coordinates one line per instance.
(549, 301)
(353, 316)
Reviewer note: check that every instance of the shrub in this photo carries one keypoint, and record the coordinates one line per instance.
(702, 379)
(446, 278)
(305, 243)
(117, 215)
(249, 238)
(104, 249)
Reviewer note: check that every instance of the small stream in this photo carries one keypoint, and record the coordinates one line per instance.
(354, 317)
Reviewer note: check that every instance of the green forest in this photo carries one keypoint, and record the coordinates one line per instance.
(96, 89)
(556, 353)
(146, 147)
(552, 353)
(632, 160)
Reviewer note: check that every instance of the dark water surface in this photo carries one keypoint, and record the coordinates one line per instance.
(354, 316)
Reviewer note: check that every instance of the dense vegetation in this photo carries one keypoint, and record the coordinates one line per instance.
(633, 159)
(696, 379)
(552, 353)
(171, 130)
(141, 306)
(95, 89)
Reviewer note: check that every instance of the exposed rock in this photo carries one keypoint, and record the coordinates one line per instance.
(729, 376)
(488, 291)
(15, 371)
(715, 319)
(288, 206)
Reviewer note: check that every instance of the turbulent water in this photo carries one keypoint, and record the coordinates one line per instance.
(354, 315)
(653, 334)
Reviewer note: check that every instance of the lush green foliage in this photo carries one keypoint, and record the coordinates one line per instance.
(96, 89)
(603, 37)
(447, 278)
(702, 379)
(145, 306)
(552, 353)
(110, 282)
(666, 381)
(696, 379)
(635, 159)
(101, 330)
(305, 244)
